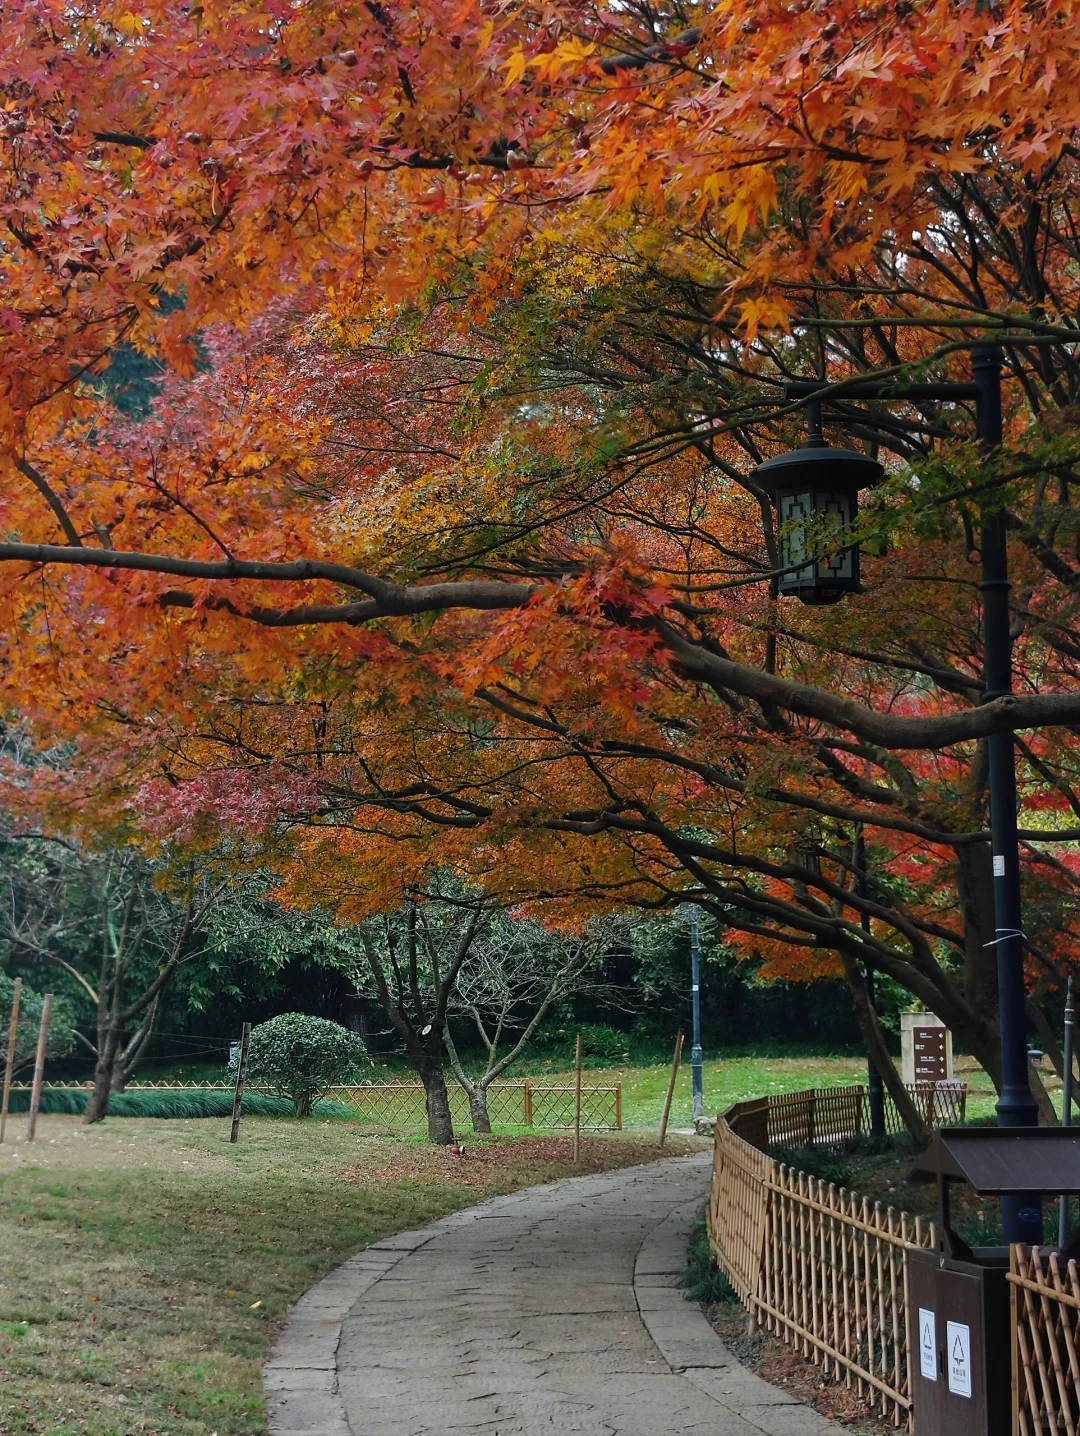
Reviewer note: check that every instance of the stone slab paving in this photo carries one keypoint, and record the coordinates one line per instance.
(554, 1310)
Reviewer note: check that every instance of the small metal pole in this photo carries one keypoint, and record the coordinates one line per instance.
(577, 1101)
(9, 1065)
(1066, 1100)
(241, 1079)
(697, 1084)
(875, 1087)
(39, 1066)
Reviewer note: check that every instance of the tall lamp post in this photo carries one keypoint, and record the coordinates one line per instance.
(696, 1083)
(815, 490)
(875, 1085)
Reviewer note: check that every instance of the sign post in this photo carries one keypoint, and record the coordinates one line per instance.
(926, 1048)
(39, 1066)
(9, 1065)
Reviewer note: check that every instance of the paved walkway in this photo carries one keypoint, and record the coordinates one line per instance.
(554, 1310)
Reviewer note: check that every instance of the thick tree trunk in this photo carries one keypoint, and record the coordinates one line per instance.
(440, 1124)
(975, 889)
(478, 1108)
(874, 1039)
(98, 1106)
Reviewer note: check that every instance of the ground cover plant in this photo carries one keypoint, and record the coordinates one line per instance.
(179, 1103)
(147, 1266)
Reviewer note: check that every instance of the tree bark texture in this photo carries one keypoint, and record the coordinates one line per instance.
(874, 1039)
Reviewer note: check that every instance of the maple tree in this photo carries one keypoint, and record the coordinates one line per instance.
(488, 582)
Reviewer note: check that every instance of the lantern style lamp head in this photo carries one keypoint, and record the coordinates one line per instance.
(816, 493)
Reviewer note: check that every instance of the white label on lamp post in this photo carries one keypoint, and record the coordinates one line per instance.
(927, 1344)
(958, 1348)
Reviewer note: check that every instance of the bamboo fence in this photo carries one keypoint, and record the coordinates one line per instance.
(819, 1266)
(513, 1104)
(1045, 1299)
(401, 1104)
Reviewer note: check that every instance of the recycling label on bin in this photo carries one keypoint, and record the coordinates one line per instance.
(927, 1344)
(958, 1357)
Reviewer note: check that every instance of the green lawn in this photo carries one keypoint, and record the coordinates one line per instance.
(146, 1264)
(724, 1080)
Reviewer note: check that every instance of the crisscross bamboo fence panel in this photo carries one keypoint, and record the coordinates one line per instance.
(512, 1104)
(819, 1266)
(401, 1104)
(1045, 1297)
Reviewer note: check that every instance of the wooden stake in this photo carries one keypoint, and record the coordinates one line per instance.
(671, 1087)
(241, 1079)
(577, 1101)
(9, 1066)
(39, 1066)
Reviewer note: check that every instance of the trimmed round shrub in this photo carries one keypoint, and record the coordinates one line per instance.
(302, 1057)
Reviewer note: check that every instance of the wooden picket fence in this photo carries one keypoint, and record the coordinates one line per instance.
(1045, 1304)
(816, 1265)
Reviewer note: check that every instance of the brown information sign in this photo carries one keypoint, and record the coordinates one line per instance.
(928, 1044)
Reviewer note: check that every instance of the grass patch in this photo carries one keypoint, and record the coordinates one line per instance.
(148, 1266)
(727, 1080)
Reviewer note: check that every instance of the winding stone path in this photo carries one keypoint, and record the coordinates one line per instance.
(554, 1310)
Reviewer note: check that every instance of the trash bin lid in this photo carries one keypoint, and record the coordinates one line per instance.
(1000, 1160)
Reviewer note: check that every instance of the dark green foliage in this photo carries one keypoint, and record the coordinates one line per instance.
(703, 1280)
(815, 1162)
(982, 1228)
(179, 1103)
(302, 1057)
(132, 381)
(599, 1043)
(61, 1024)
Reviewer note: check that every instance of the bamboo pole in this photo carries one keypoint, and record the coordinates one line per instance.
(241, 1079)
(671, 1086)
(39, 1066)
(577, 1101)
(9, 1065)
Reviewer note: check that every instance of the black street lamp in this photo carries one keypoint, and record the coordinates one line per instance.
(816, 493)
(835, 472)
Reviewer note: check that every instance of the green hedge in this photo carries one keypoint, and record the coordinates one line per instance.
(180, 1103)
